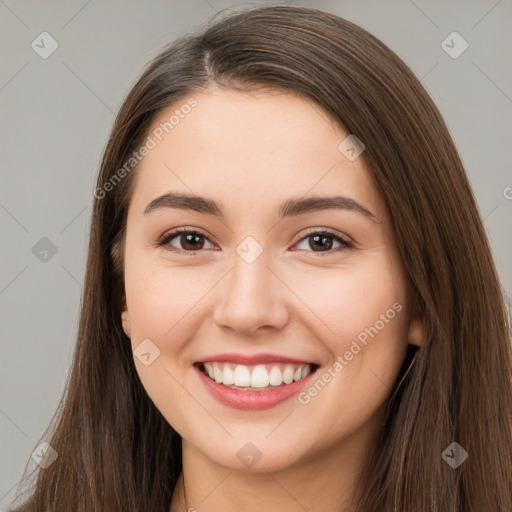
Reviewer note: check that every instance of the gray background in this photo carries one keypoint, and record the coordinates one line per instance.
(56, 115)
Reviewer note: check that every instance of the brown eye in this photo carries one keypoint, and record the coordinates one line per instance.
(323, 241)
(188, 241)
(191, 242)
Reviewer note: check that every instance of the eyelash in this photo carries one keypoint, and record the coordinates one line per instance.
(173, 234)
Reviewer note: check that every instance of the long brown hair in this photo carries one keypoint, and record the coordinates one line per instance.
(117, 453)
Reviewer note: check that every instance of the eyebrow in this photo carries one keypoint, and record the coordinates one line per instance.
(290, 208)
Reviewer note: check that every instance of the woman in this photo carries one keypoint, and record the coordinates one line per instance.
(290, 301)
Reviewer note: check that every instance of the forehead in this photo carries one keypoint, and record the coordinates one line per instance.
(249, 150)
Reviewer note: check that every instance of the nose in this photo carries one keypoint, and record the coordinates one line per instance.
(251, 297)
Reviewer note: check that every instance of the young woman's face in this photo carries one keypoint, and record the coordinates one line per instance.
(258, 291)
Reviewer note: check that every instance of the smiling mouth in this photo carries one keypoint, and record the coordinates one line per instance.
(260, 377)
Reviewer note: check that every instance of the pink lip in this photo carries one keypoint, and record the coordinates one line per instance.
(252, 359)
(251, 400)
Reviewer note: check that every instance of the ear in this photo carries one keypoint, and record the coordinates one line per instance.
(125, 319)
(416, 332)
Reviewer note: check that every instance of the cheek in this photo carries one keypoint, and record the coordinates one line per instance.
(162, 301)
(160, 296)
(343, 302)
(362, 321)
(360, 318)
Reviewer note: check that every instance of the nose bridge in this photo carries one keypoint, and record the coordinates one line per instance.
(250, 296)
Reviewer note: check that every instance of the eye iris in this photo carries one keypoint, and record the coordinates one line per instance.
(190, 237)
(322, 238)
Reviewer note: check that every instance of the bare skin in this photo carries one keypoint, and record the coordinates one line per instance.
(250, 152)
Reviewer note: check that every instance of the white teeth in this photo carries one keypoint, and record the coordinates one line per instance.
(217, 373)
(242, 376)
(288, 375)
(275, 376)
(227, 376)
(259, 377)
(256, 377)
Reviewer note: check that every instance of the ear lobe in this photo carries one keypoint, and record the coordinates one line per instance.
(416, 333)
(125, 318)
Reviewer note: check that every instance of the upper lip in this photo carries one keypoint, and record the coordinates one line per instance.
(252, 359)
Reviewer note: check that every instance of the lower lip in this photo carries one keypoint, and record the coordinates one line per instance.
(251, 400)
